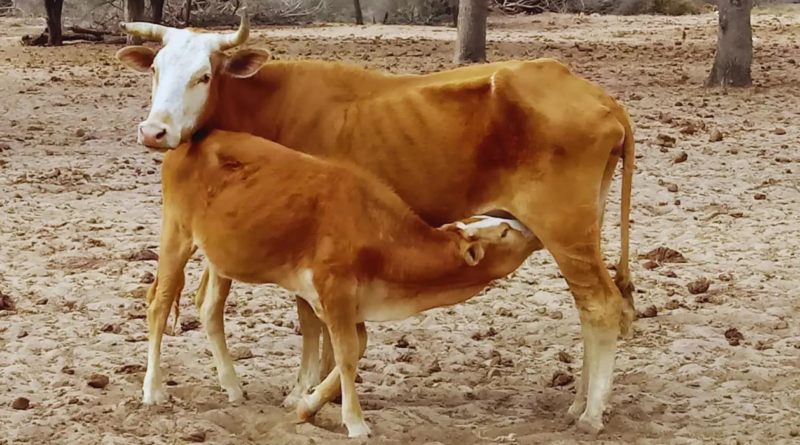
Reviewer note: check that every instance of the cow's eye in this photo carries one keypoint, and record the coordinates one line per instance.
(205, 79)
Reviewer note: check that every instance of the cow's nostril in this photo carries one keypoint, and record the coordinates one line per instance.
(161, 135)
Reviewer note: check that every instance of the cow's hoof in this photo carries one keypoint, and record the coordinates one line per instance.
(590, 427)
(358, 429)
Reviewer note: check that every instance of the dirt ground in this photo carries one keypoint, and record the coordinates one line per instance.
(79, 198)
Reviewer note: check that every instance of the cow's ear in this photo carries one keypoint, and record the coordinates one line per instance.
(137, 58)
(247, 62)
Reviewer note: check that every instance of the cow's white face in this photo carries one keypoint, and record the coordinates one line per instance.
(184, 72)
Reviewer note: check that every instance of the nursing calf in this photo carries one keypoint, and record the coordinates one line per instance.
(342, 240)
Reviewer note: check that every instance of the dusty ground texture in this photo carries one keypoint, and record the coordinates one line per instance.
(78, 197)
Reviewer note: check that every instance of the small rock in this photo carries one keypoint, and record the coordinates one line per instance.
(241, 353)
(111, 328)
(733, 336)
(6, 303)
(42, 301)
(699, 286)
(650, 265)
(130, 369)
(673, 188)
(665, 140)
(142, 255)
(196, 436)
(402, 343)
(762, 345)
(67, 370)
(760, 196)
(98, 381)
(147, 278)
(80, 133)
(665, 255)
(434, 367)
(681, 158)
(561, 378)
(650, 312)
(672, 305)
(556, 315)
(781, 325)
(779, 131)
(21, 403)
(190, 324)
(715, 136)
(670, 274)
(22, 334)
(565, 357)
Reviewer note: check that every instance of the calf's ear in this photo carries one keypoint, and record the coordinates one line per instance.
(247, 62)
(137, 58)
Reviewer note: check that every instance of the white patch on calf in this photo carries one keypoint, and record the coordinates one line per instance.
(491, 221)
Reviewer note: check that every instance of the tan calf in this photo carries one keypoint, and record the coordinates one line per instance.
(349, 246)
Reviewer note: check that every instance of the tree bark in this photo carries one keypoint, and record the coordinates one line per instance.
(187, 14)
(134, 12)
(734, 45)
(359, 16)
(471, 40)
(158, 11)
(54, 34)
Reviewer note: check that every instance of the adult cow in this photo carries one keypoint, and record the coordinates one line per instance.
(527, 138)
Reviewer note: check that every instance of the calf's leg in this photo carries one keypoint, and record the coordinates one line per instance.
(174, 252)
(309, 375)
(210, 302)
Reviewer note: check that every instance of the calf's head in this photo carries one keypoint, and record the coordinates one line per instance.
(186, 73)
(498, 245)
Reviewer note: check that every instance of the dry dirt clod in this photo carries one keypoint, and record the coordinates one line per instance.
(434, 367)
(665, 255)
(699, 286)
(67, 370)
(98, 381)
(673, 188)
(130, 369)
(650, 312)
(733, 336)
(241, 353)
(142, 255)
(781, 325)
(760, 196)
(190, 324)
(715, 136)
(565, 357)
(402, 343)
(672, 305)
(147, 278)
(556, 315)
(681, 158)
(21, 404)
(112, 328)
(650, 265)
(561, 378)
(665, 140)
(779, 131)
(196, 436)
(6, 303)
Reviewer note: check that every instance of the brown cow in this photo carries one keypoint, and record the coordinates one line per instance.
(341, 239)
(526, 138)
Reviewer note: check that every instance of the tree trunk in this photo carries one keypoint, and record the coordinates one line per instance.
(454, 5)
(734, 45)
(471, 40)
(53, 8)
(187, 14)
(359, 16)
(158, 11)
(134, 12)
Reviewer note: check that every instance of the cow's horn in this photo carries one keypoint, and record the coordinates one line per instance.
(145, 30)
(228, 41)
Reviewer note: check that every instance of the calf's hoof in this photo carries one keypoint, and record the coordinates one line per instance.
(236, 394)
(155, 397)
(592, 427)
(358, 429)
(303, 411)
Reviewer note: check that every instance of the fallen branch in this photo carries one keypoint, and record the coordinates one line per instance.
(41, 39)
(93, 32)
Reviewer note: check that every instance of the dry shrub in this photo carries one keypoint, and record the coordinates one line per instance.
(658, 7)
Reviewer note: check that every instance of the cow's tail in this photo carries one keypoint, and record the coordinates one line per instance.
(623, 276)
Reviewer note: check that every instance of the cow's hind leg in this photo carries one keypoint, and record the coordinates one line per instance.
(210, 303)
(175, 251)
(570, 231)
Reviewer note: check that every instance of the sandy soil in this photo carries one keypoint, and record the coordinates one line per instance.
(78, 198)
